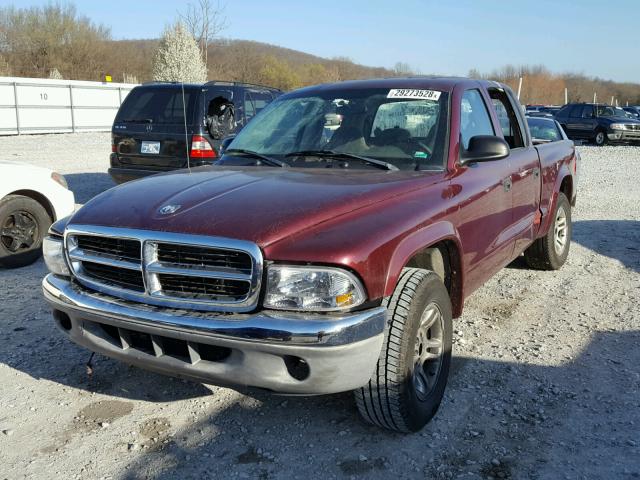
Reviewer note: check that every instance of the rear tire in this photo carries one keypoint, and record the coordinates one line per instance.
(408, 383)
(23, 224)
(551, 251)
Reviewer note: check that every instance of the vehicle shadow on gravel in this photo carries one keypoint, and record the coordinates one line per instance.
(31, 344)
(531, 421)
(617, 239)
(85, 186)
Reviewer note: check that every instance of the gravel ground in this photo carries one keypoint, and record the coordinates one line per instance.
(545, 381)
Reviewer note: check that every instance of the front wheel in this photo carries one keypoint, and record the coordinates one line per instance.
(600, 139)
(23, 224)
(408, 383)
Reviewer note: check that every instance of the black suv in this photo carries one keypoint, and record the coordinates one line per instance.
(597, 123)
(154, 131)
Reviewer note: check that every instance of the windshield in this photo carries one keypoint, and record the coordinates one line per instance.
(604, 111)
(404, 128)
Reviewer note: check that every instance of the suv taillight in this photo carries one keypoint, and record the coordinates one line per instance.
(201, 148)
(114, 148)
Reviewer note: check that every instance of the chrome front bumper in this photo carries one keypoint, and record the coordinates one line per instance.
(280, 351)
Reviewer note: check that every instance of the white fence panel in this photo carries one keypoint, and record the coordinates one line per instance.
(38, 105)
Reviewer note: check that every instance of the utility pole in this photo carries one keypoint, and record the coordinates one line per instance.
(566, 96)
(519, 87)
(612, 100)
(595, 97)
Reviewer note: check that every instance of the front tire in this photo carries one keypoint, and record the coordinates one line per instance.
(551, 251)
(600, 139)
(408, 383)
(23, 225)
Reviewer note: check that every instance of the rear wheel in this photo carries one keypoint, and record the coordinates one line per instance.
(23, 224)
(551, 251)
(408, 384)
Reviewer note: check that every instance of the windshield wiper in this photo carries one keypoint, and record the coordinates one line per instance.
(264, 158)
(138, 120)
(333, 154)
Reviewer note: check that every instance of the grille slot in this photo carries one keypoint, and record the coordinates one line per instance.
(115, 276)
(117, 248)
(203, 288)
(158, 346)
(203, 257)
(167, 269)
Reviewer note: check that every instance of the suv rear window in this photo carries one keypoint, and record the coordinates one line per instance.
(157, 105)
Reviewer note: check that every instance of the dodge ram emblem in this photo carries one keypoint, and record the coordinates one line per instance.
(169, 209)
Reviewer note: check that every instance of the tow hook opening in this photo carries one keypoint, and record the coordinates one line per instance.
(297, 367)
(62, 319)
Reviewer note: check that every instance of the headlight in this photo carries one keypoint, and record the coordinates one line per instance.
(320, 289)
(618, 126)
(53, 254)
(56, 177)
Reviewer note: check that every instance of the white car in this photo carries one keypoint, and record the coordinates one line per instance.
(31, 199)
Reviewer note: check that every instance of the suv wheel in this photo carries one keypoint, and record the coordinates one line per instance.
(408, 384)
(600, 139)
(23, 224)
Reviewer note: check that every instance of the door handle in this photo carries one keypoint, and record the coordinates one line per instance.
(506, 183)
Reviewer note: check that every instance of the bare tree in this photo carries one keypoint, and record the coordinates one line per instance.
(204, 20)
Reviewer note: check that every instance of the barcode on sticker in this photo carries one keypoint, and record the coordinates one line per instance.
(412, 93)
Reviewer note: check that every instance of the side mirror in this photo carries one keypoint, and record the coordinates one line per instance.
(225, 143)
(485, 148)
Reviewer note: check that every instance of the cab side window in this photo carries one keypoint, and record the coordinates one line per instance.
(474, 117)
(511, 130)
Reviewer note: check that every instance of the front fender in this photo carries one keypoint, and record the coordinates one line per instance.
(413, 243)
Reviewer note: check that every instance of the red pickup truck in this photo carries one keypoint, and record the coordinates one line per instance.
(329, 248)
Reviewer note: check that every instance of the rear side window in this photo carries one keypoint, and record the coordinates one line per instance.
(587, 111)
(576, 111)
(157, 105)
(214, 93)
(249, 106)
(474, 117)
(261, 98)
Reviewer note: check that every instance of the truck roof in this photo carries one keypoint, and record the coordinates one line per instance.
(442, 83)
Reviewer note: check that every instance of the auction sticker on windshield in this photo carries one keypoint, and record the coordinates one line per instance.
(412, 93)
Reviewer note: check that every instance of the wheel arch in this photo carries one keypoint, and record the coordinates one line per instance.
(436, 248)
(566, 187)
(41, 199)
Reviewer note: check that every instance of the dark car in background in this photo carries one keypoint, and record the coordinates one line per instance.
(155, 131)
(545, 130)
(599, 124)
(633, 111)
(542, 111)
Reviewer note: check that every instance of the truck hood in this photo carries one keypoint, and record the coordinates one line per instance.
(262, 205)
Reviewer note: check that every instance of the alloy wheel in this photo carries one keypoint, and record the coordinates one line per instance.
(428, 351)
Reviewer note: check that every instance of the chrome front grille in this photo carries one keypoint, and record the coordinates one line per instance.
(166, 269)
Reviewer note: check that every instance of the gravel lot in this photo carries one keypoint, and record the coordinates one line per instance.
(545, 381)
